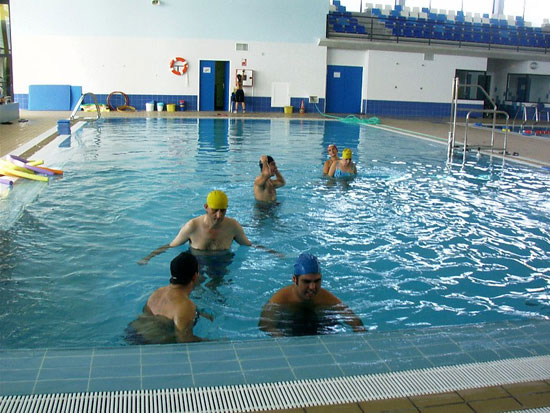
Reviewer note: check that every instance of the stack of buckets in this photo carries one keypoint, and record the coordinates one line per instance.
(64, 127)
(170, 107)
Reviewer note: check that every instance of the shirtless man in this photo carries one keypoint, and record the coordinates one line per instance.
(264, 186)
(297, 309)
(169, 313)
(212, 231)
(333, 153)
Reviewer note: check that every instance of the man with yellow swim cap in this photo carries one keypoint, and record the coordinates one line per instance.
(212, 231)
(264, 186)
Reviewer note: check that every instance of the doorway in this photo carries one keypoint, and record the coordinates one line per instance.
(214, 85)
(344, 84)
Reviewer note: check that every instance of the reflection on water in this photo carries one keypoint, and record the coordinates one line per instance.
(214, 265)
(406, 243)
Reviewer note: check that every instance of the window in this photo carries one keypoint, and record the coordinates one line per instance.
(472, 77)
(528, 88)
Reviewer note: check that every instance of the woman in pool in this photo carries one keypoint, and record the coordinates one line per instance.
(344, 167)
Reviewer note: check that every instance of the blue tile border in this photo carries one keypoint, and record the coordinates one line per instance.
(415, 109)
(253, 103)
(268, 360)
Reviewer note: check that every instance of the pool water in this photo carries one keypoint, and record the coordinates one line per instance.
(408, 243)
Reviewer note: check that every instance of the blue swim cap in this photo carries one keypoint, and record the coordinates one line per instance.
(306, 264)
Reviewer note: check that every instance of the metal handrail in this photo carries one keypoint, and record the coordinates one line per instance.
(77, 107)
(454, 109)
(452, 130)
(505, 143)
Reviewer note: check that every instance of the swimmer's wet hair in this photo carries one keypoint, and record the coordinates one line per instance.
(182, 268)
(269, 160)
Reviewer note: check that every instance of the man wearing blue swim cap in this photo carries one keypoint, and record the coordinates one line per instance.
(304, 296)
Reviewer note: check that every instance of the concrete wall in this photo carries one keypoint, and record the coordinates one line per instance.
(400, 76)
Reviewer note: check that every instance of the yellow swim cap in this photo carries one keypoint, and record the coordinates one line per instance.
(346, 153)
(217, 200)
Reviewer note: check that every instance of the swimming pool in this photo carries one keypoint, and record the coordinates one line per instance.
(408, 243)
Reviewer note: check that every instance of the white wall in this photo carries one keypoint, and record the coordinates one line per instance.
(402, 76)
(140, 65)
(127, 45)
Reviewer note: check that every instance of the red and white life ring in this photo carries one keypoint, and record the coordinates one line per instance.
(179, 66)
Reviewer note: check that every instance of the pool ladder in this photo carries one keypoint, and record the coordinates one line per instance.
(454, 109)
(77, 107)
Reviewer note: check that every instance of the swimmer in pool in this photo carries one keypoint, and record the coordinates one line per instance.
(304, 302)
(344, 167)
(212, 231)
(169, 314)
(264, 186)
(333, 153)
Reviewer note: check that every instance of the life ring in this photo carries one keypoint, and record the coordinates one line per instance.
(179, 66)
(111, 107)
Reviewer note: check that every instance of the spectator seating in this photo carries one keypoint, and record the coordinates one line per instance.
(441, 25)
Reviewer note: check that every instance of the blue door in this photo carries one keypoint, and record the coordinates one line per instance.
(207, 85)
(344, 84)
(214, 85)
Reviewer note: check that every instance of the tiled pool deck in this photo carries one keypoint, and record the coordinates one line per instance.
(262, 361)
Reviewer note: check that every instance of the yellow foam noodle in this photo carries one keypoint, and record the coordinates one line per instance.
(35, 163)
(9, 165)
(21, 174)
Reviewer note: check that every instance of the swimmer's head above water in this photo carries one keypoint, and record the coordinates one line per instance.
(307, 277)
(183, 268)
(346, 153)
(217, 200)
(269, 160)
(306, 263)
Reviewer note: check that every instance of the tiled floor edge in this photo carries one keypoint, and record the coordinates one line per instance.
(303, 393)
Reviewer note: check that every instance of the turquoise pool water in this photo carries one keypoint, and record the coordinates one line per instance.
(408, 243)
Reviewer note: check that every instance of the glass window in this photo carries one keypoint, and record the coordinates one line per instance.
(528, 88)
(472, 77)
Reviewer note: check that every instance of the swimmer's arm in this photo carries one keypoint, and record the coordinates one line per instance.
(261, 180)
(348, 316)
(332, 169)
(183, 323)
(261, 247)
(240, 236)
(154, 253)
(279, 181)
(265, 174)
(326, 166)
(181, 238)
(242, 239)
(268, 319)
(355, 169)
